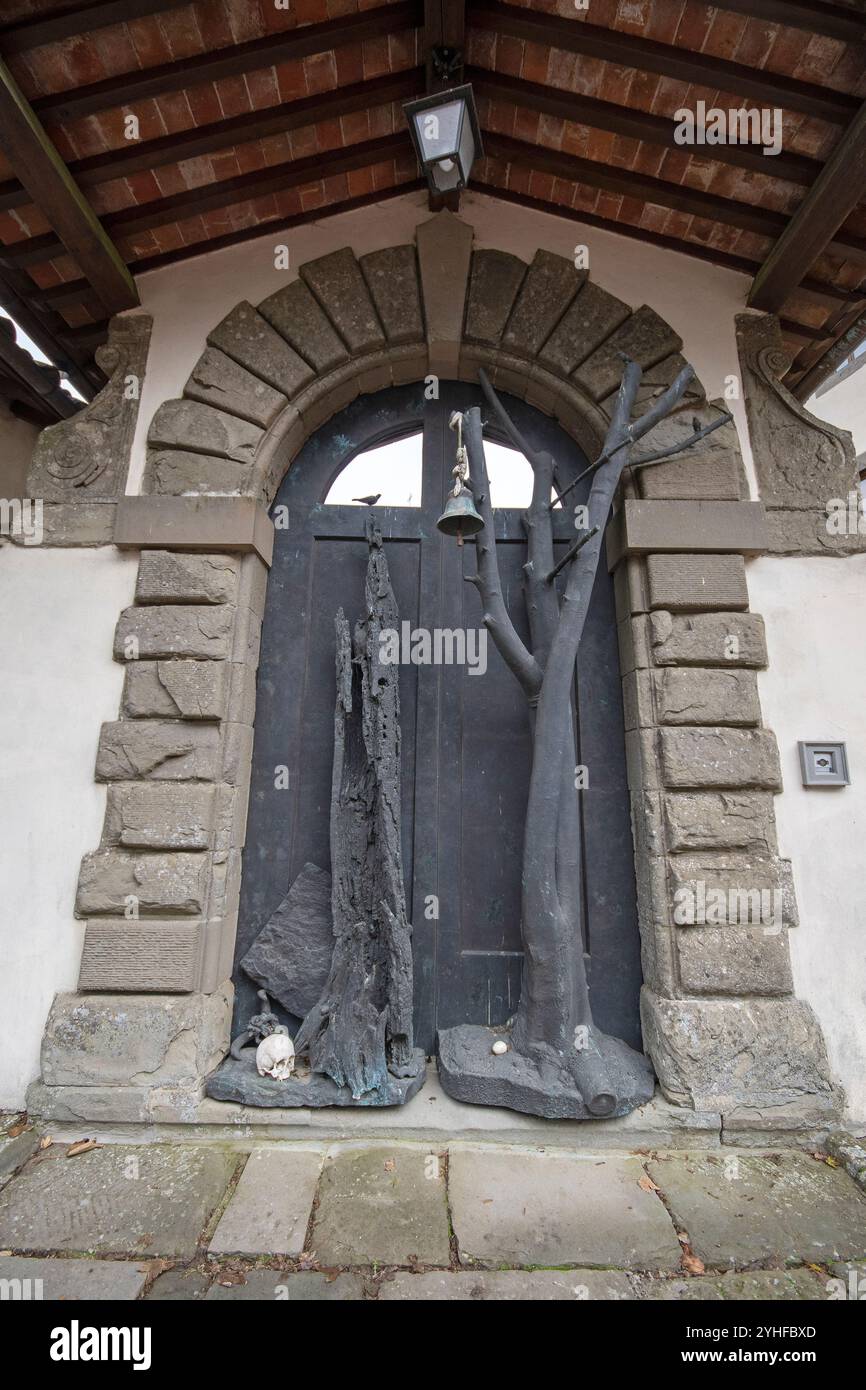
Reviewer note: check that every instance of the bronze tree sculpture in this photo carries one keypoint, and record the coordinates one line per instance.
(558, 1062)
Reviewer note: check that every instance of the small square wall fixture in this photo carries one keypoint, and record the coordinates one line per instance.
(446, 136)
(824, 764)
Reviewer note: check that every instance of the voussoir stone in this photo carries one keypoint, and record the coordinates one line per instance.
(691, 696)
(495, 278)
(733, 960)
(644, 336)
(720, 820)
(392, 279)
(181, 473)
(190, 425)
(712, 469)
(110, 879)
(296, 314)
(175, 689)
(173, 576)
(340, 288)
(136, 1039)
(159, 815)
(524, 1208)
(696, 582)
(708, 639)
(217, 380)
(159, 749)
(250, 340)
(147, 1200)
(719, 757)
(720, 1054)
(195, 631)
(550, 284)
(590, 318)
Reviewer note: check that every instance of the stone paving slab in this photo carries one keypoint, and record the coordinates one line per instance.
(384, 1206)
(71, 1279)
(758, 1285)
(541, 1285)
(273, 1286)
(270, 1208)
(777, 1209)
(178, 1285)
(151, 1199)
(14, 1152)
(536, 1208)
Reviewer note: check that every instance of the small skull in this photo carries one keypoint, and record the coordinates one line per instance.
(275, 1056)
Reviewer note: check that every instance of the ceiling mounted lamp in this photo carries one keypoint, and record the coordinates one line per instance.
(446, 136)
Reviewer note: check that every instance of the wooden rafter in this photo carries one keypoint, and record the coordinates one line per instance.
(832, 197)
(44, 327)
(629, 50)
(77, 19)
(638, 125)
(630, 184)
(444, 28)
(50, 185)
(234, 130)
(270, 50)
(833, 21)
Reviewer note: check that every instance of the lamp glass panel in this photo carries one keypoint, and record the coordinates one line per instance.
(438, 131)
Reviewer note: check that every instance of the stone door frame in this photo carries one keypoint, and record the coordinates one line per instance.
(151, 1015)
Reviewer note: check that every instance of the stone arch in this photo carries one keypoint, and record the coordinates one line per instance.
(272, 374)
(151, 1016)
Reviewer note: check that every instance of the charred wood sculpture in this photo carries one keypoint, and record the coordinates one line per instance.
(552, 1060)
(358, 1035)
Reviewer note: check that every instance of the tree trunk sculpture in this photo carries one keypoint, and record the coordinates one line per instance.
(558, 1062)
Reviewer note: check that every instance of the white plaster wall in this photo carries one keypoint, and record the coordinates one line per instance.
(814, 689)
(845, 405)
(58, 683)
(188, 299)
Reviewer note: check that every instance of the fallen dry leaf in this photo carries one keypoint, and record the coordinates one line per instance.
(83, 1146)
(20, 1128)
(692, 1265)
(389, 1165)
(647, 1184)
(683, 1237)
(46, 1141)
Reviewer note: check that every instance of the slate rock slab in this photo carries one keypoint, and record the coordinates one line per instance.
(271, 1285)
(239, 1081)
(509, 1285)
(518, 1207)
(291, 955)
(383, 1205)
(269, 1211)
(120, 1280)
(150, 1199)
(783, 1208)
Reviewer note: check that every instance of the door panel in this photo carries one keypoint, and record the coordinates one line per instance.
(465, 737)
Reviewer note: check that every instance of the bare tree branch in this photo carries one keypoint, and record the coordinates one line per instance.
(663, 454)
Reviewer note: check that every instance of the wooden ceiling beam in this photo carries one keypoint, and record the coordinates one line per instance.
(235, 130)
(663, 193)
(51, 187)
(444, 34)
(646, 55)
(832, 21)
(209, 197)
(130, 87)
(637, 125)
(278, 226)
(75, 20)
(810, 232)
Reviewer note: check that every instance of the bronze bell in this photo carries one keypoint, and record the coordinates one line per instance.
(460, 517)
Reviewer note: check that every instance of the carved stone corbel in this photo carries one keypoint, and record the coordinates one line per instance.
(805, 466)
(86, 458)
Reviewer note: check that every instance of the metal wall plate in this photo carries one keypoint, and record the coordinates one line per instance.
(824, 764)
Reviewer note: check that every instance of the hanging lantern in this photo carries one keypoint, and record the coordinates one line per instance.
(446, 136)
(460, 517)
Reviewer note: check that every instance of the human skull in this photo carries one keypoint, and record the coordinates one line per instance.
(275, 1056)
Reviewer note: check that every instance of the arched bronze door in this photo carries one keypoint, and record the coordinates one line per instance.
(466, 746)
